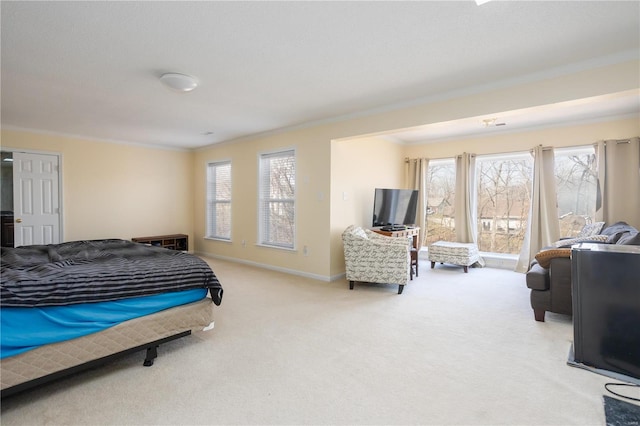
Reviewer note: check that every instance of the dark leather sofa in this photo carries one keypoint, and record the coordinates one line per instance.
(551, 286)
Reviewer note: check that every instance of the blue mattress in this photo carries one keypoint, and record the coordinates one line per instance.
(23, 329)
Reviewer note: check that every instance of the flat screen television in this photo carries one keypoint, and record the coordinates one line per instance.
(395, 207)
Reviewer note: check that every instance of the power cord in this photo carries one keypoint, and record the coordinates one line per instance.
(608, 385)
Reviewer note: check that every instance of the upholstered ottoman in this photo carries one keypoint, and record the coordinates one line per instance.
(462, 254)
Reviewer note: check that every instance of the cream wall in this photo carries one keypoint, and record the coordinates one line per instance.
(340, 174)
(503, 96)
(323, 160)
(115, 190)
(312, 203)
(572, 135)
(358, 166)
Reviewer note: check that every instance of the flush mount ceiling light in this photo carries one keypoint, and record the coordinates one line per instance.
(491, 122)
(179, 82)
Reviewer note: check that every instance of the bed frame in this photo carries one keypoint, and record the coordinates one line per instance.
(57, 360)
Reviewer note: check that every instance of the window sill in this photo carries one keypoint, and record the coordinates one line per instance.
(492, 260)
(223, 240)
(276, 247)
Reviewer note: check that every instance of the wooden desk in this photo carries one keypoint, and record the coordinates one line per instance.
(409, 232)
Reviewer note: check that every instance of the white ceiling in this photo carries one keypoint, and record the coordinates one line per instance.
(91, 69)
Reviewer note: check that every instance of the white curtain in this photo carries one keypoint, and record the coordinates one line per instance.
(416, 178)
(465, 202)
(619, 181)
(543, 226)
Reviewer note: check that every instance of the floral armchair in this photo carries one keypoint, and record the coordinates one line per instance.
(374, 258)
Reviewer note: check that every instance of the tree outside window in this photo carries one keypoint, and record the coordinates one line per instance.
(441, 185)
(576, 183)
(504, 194)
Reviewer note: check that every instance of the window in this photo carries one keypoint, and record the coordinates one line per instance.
(503, 188)
(277, 199)
(219, 200)
(504, 194)
(576, 179)
(441, 185)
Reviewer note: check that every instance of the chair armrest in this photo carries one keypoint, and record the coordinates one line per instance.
(538, 278)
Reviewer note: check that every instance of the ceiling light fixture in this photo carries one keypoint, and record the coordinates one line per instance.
(179, 82)
(481, 2)
(489, 122)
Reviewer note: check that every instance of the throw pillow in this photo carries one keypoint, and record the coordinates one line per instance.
(572, 241)
(617, 228)
(630, 239)
(590, 230)
(359, 232)
(544, 257)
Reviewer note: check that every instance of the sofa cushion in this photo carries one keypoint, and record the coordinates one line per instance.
(629, 239)
(571, 241)
(544, 257)
(590, 230)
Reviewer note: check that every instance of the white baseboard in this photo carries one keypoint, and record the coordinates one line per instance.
(496, 260)
(271, 267)
(492, 260)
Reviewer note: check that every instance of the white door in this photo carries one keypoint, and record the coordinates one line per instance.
(36, 205)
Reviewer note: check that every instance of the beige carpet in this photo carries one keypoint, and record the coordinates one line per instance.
(454, 348)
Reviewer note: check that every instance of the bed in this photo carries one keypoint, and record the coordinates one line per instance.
(71, 306)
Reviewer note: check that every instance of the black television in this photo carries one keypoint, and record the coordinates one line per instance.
(395, 207)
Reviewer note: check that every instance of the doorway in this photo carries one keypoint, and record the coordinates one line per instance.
(30, 198)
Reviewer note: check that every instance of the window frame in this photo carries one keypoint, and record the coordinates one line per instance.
(439, 162)
(263, 219)
(522, 225)
(212, 201)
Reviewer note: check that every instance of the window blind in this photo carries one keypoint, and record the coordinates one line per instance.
(219, 200)
(277, 199)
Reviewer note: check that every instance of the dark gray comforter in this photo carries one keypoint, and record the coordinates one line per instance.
(96, 271)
